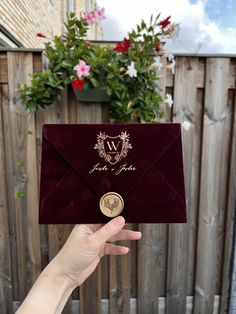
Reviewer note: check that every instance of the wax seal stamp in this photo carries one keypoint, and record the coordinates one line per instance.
(111, 204)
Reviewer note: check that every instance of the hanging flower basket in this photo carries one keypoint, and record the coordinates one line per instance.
(92, 95)
(128, 71)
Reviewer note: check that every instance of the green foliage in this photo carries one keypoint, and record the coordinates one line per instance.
(132, 98)
(19, 194)
(21, 163)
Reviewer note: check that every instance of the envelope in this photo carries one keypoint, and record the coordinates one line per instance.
(93, 172)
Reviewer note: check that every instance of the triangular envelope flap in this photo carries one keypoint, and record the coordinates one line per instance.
(170, 167)
(53, 168)
(111, 157)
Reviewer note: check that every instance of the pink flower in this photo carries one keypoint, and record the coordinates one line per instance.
(99, 13)
(89, 17)
(82, 69)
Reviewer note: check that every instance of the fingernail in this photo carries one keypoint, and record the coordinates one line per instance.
(120, 220)
(139, 233)
(126, 250)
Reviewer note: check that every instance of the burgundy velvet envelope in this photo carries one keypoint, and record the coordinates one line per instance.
(141, 163)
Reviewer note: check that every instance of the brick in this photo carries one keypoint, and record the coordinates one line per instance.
(25, 18)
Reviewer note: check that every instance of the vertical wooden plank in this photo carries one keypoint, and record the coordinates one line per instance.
(10, 184)
(19, 66)
(215, 154)
(3, 68)
(133, 265)
(57, 113)
(232, 296)
(152, 247)
(119, 285)
(39, 120)
(229, 241)
(123, 276)
(28, 244)
(182, 237)
(120, 279)
(105, 266)
(6, 300)
(24, 245)
(72, 119)
(72, 106)
(89, 113)
(26, 121)
(37, 62)
(27, 152)
(44, 248)
(58, 234)
(32, 203)
(164, 73)
(90, 291)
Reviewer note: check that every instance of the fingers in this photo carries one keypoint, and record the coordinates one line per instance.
(112, 249)
(94, 227)
(109, 230)
(126, 235)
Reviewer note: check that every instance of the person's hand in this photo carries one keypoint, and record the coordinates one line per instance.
(87, 244)
(74, 263)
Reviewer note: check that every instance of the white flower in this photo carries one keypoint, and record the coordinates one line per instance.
(170, 57)
(175, 34)
(169, 100)
(158, 63)
(131, 70)
(186, 125)
(171, 66)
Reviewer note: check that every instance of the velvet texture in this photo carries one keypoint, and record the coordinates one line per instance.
(151, 182)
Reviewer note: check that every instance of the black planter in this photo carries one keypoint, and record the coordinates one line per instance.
(92, 95)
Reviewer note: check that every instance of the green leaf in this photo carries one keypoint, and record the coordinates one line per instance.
(27, 132)
(94, 82)
(19, 194)
(156, 19)
(143, 24)
(57, 67)
(151, 19)
(72, 14)
(20, 163)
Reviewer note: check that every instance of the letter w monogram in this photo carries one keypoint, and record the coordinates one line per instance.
(113, 145)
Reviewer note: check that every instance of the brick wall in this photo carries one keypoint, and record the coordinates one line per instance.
(23, 19)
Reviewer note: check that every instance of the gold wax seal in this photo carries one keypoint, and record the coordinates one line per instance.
(111, 204)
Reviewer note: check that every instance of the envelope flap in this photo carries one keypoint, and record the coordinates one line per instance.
(111, 157)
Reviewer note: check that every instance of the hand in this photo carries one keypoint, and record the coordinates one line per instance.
(87, 244)
(74, 263)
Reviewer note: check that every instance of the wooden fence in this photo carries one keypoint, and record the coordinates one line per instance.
(177, 269)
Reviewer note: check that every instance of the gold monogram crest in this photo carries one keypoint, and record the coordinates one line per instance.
(113, 148)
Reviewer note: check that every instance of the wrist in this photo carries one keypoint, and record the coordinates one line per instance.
(54, 271)
(52, 287)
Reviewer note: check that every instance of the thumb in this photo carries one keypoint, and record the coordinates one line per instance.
(109, 230)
